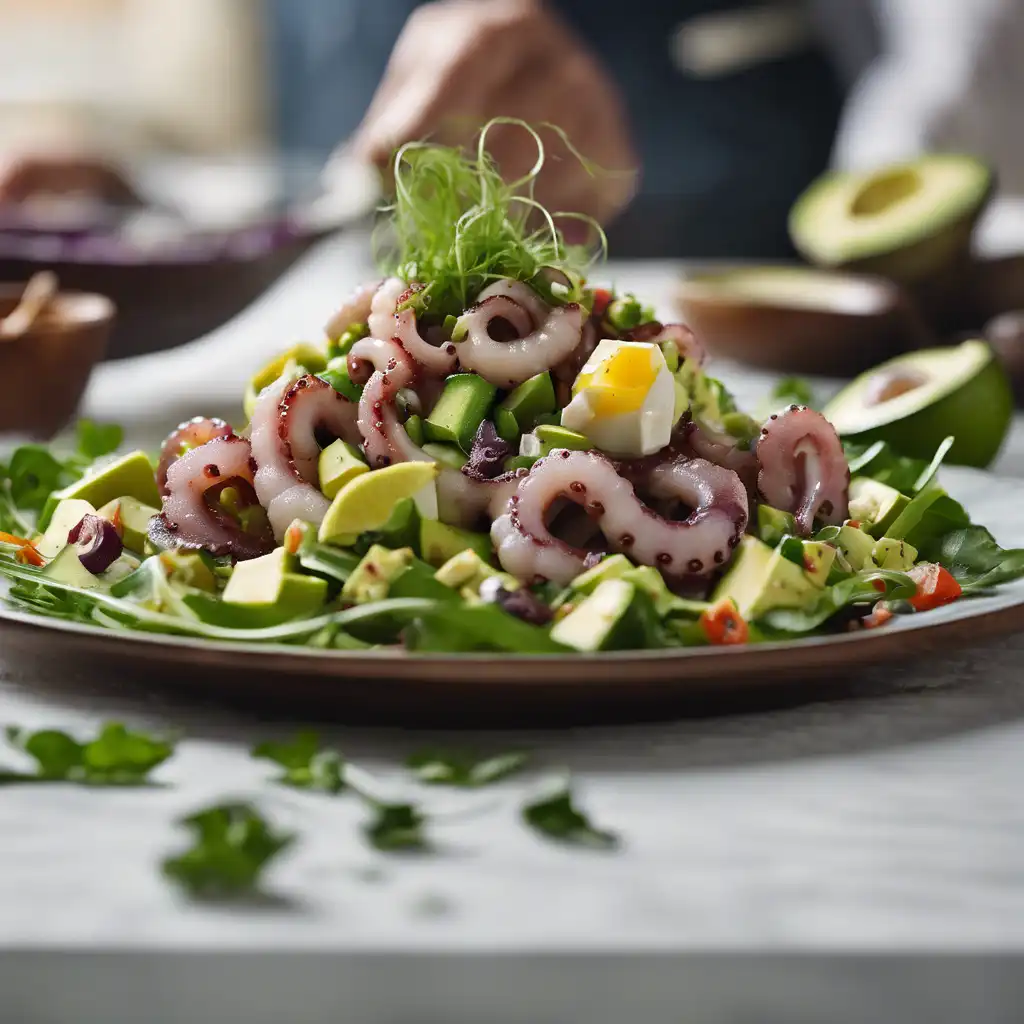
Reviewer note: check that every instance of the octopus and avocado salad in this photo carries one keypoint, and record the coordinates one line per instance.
(489, 452)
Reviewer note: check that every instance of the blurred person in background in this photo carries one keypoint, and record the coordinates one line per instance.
(727, 108)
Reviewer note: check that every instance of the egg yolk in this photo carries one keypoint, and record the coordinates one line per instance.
(620, 384)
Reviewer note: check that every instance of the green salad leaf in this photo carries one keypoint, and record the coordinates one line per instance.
(396, 826)
(232, 845)
(98, 439)
(556, 816)
(881, 462)
(306, 765)
(450, 768)
(793, 391)
(115, 757)
(468, 628)
(974, 558)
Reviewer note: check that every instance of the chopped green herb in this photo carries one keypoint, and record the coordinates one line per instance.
(116, 757)
(446, 768)
(232, 846)
(557, 817)
(396, 827)
(793, 391)
(305, 764)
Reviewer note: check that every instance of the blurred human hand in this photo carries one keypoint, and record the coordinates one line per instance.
(458, 63)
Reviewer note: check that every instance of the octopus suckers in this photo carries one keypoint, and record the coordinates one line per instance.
(211, 470)
(596, 507)
(578, 487)
(626, 540)
(694, 565)
(719, 557)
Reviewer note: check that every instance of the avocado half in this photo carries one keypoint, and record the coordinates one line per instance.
(908, 221)
(918, 399)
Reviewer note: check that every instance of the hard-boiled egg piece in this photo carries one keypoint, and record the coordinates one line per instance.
(624, 399)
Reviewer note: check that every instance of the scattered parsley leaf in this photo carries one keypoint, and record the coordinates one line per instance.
(305, 764)
(116, 757)
(557, 817)
(98, 439)
(793, 391)
(233, 844)
(396, 827)
(446, 768)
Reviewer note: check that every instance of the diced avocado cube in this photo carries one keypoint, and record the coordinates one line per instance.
(371, 579)
(414, 428)
(269, 583)
(612, 567)
(339, 463)
(462, 407)
(467, 570)
(761, 578)
(446, 455)
(855, 546)
(890, 553)
(190, 569)
(552, 436)
(439, 542)
(670, 350)
(532, 398)
(875, 504)
(337, 375)
(616, 616)
(818, 559)
(130, 476)
(506, 426)
(341, 345)
(773, 524)
(519, 462)
(67, 515)
(652, 583)
(133, 517)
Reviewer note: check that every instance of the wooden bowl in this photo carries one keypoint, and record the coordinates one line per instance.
(799, 320)
(44, 371)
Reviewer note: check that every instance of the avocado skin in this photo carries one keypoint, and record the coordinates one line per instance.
(984, 405)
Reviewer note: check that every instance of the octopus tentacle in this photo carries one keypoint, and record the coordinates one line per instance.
(508, 363)
(441, 359)
(722, 449)
(183, 438)
(190, 519)
(285, 423)
(381, 318)
(655, 332)
(697, 545)
(354, 310)
(802, 467)
(464, 500)
(522, 295)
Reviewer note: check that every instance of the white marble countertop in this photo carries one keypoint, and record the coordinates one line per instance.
(893, 819)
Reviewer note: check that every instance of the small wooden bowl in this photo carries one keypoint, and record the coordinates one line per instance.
(799, 320)
(43, 372)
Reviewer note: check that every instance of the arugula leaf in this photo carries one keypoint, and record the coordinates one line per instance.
(859, 589)
(556, 816)
(452, 627)
(305, 764)
(33, 474)
(974, 558)
(446, 768)
(396, 827)
(232, 846)
(116, 757)
(98, 439)
(880, 462)
(793, 391)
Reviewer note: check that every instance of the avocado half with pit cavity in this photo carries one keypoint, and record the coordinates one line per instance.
(918, 399)
(798, 319)
(909, 221)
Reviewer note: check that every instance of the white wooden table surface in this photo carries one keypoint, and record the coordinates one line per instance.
(892, 820)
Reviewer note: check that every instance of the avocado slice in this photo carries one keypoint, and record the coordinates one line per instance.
(467, 570)
(131, 475)
(68, 568)
(915, 400)
(446, 454)
(133, 516)
(617, 616)
(761, 578)
(855, 546)
(67, 515)
(552, 436)
(439, 542)
(505, 426)
(532, 398)
(818, 560)
(875, 504)
(269, 588)
(372, 577)
(611, 567)
(462, 407)
(304, 357)
(890, 553)
(908, 221)
(339, 462)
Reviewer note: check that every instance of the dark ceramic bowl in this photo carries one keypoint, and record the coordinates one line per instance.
(43, 372)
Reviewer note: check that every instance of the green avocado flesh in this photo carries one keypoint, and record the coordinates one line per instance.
(460, 410)
(906, 221)
(918, 399)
